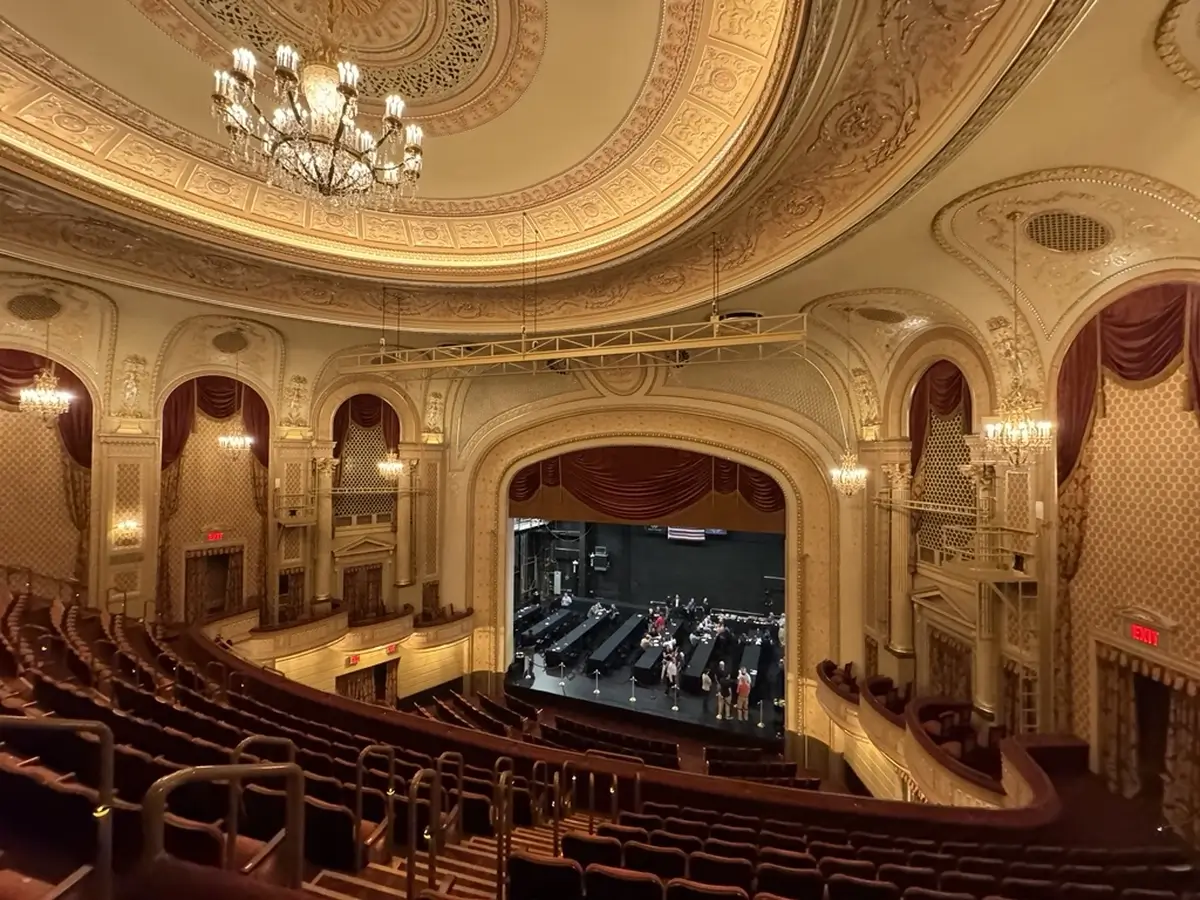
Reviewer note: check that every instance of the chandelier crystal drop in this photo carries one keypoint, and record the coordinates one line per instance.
(235, 441)
(849, 477)
(311, 142)
(43, 398)
(391, 466)
(1018, 435)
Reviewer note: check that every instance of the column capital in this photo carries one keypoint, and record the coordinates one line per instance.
(326, 464)
(899, 475)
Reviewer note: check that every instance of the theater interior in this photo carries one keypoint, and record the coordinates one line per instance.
(490, 448)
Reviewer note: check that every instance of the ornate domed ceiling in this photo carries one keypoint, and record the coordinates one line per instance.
(624, 133)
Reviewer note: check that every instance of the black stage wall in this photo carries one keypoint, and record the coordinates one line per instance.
(728, 569)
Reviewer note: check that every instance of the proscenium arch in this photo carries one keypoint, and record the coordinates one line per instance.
(812, 515)
(338, 392)
(931, 346)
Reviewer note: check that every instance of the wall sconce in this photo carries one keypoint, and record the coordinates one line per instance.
(127, 533)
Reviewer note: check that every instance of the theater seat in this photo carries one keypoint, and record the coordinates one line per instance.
(684, 842)
(905, 877)
(708, 869)
(730, 850)
(1071, 891)
(609, 883)
(846, 887)
(856, 868)
(734, 834)
(682, 889)
(924, 859)
(1081, 874)
(881, 855)
(1028, 889)
(1032, 871)
(588, 850)
(980, 865)
(782, 841)
(978, 886)
(1144, 894)
(691, 827)
(795, 884)
(821, 849)
(786, 858)
(661, 810)
(623, 833)
(639, 820)
(538, 877)
(916, 893)
(665, 862)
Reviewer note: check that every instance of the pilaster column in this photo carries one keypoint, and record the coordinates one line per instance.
(125, 489)
(404, 575)
(323, 563)
(987, 652)
(900, 629)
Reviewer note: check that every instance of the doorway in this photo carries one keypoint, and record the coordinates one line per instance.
(212, 583)
(362, 592)
(1152, 701)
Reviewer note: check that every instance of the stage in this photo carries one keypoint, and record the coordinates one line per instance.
(654, 703)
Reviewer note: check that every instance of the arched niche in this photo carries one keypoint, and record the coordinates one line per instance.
(811, 543)
(932, 346)
(250, 351)
(332, 396)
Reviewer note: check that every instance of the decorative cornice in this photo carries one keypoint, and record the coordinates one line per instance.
(1175, 22)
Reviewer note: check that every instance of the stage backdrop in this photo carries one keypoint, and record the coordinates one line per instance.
(729, 569)
(652, 485)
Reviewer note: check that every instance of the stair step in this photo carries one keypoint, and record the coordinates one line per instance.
(353, 886)
(468, 874)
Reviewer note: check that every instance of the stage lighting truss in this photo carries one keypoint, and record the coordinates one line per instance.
(714, 341)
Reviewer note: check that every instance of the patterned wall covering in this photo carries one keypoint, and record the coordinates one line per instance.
(35, 527)
(215, 491)
(950, 663)
(940, 480)
(487, 398)
(430, 478)
(1142, 543)
(359, 470)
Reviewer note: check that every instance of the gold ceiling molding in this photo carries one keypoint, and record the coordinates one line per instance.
(904, 74)
(457, 63)
(1177, 40)
(1146, 219)
(712, 88)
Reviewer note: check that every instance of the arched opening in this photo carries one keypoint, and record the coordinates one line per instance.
(639, 569)
(1128, 553)
(45, 503)
(372, 508)
(213, 500)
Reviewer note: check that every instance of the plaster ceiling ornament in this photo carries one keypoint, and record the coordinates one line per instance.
(1177, 40)
(917, 69)
(868, 403)
(294, 396)
(83, 317)
(435, 410)
(1083, 228)
(133, 374)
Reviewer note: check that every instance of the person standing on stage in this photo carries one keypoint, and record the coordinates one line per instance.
(724, 693)
(743, 694)
(706, 685)
(672, 671)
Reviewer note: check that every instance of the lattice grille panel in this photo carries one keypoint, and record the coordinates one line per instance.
(940, 478)
(430, 481)
(35, 528)
(1016, 507)
(292, 544)
(128, 501)
(950, 663)
(126, 581)
(359, 471)
(293, 478)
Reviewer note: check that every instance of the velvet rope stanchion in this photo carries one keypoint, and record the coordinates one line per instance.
(632, 689)
(597, 690)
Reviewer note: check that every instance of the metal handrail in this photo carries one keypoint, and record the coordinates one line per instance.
(235, 787)
(388, 753)
(539, 788)
(573, 768)
(221, 683)
(508, 835)
(113, 661)
(556, 813)
(154, 809)
(637, 793)
(591, 802)
(503, 764)
(613, 791)
(455, 816)
(105, 792)
(500, 799)
(149, 603)
(434, 829)
(172, 666)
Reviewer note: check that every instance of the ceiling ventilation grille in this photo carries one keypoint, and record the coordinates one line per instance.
(879, 315)
(34, 307)
(230, 342)
(1068, 232)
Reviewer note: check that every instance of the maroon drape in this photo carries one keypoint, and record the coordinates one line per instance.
(645, 484)
(218, 397)
(1136, 338)
(366, 411)
(940, 391)
(17, 370)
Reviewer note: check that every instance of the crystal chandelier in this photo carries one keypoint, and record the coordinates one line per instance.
(1017, 435)
(849, 477)
(235, 441)
(391, 466)
(311, 142)
(43, 398)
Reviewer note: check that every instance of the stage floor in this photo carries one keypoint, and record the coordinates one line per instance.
(615, 691)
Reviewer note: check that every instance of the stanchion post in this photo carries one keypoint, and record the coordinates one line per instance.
(675, 702)
(632, 689)
(562, 674)
(597, 690)
(760, 714)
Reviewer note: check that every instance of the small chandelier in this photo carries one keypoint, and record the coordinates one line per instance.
(1017, 435)
(235, 441)
(311, 142)
(849, 477)
(43, 398)
(391, 466)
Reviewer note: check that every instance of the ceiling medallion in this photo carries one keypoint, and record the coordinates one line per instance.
(312, 143)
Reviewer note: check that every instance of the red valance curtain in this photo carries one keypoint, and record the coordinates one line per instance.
(646, 484)
(366, 411)
(1136, 338)
(17, 371)
(218, 397)
(941, 391)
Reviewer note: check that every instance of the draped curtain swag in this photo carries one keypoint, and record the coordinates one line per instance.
(17, 370)
(646, 484)
(1137, 340)
(941, 391)
(366, 411)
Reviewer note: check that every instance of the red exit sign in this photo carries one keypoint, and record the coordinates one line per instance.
(352, 660)
(1144, 634)
(393, 649)
(215, 536)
